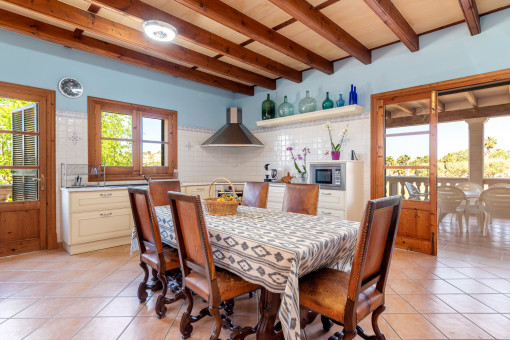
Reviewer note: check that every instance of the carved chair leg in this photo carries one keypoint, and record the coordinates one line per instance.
(307, 317)
(326, 323)
(375, 318)
(215, 312)
(155, 284)
(160, 303)
(142, 292)
(186, 327)
(229, 307)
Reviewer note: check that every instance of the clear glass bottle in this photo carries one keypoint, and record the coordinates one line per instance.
(285, 109)
(307, 104)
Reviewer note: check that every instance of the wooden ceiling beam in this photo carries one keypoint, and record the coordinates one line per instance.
(470, 12)
(470, 96)
(64, 13)
(37, 29)
(440, 106)
(202, 37)
(94, 9)
(240, 22)
(406, 108)
(390, 15)
(314, 19)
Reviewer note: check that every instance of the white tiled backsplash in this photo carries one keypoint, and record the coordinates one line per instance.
(203, 164)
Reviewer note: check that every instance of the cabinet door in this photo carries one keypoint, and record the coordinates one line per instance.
(331, 212)
(100, 225)
(99, 200)
(202, 190)
(332, 199)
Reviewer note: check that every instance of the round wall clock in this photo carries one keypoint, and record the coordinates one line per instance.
(70, 87)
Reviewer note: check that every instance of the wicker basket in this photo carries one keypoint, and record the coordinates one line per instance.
(213, 207)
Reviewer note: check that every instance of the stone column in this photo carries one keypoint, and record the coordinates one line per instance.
(476, 149)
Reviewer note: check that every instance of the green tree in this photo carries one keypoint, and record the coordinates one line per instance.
(454, 164)
(490, 144)
(116, 152)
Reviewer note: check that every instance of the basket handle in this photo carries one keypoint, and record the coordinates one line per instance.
(223, 178)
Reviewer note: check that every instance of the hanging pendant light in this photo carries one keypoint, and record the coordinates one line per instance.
(159, 30)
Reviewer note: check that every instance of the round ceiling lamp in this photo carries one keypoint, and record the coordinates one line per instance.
(159, 30)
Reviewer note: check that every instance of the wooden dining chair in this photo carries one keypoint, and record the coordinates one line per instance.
(347, 298)
(159, 189)
(197, 264)
(163, 260)
(255, 194)
(301, 198)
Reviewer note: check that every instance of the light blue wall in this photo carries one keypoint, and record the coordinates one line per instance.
(445, 54)
(33, 62)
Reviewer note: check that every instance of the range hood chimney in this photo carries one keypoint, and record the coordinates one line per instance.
(234, 133)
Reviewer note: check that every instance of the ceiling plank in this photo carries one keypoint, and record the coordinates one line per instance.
(314, 19)
(61, 12)
(202, 37)
(37, 29)
(232, 18)
(406, 108)
(470, 12)
(94, 9)
(470, 96)
(391, 16)
(440, 106)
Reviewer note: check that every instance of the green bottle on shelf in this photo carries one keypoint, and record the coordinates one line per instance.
(327, 103)
(268, 109)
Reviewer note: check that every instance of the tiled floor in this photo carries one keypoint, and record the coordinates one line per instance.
(51, 295)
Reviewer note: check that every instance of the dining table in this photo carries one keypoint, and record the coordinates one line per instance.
(274, 249)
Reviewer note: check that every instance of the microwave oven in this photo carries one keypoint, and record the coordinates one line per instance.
(328, 176)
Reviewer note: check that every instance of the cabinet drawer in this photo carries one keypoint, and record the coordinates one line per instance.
(100, 225)
(332, 199)
(276, 194)
(99, 200)
(331, 212)
(199, 190)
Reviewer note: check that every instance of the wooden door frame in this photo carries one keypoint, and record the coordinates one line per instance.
(377, 131)
(46, 100)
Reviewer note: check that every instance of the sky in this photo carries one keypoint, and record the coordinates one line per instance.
(452, 137)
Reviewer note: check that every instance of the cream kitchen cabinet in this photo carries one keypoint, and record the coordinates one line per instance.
(95, 218)
(202, 190)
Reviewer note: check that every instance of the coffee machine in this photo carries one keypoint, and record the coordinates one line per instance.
(271, 174)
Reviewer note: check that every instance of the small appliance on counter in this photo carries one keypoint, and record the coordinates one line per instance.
(328, 175)
(271, 174)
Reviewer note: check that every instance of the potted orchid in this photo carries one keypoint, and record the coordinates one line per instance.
(301, 169)
(336, 148)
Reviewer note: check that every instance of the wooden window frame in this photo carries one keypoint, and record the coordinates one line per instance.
(121, 173)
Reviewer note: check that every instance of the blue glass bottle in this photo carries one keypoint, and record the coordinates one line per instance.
(355, 97)
(351, 95)
(340, 101)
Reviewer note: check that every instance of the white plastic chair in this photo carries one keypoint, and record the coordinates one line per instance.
(500, 185)
(452, 200)
(469, 186)
(494, 202)
(414, 192)
(472, 202)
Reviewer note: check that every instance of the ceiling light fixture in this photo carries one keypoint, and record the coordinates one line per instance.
(159, 30)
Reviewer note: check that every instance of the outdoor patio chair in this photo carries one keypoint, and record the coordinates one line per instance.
(494, 202)
(414, 192)
(452, 200)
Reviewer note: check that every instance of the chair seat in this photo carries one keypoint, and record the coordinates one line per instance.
(230, 285)
(325, 292)
(171, 258)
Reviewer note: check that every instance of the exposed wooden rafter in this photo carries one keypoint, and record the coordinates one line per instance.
(470, 96)
(94, 9)
(391, 16)
(202, 37)
(61, 12)
(232, 18)
(440, 106)
(406, 108)
(314, 19)
(470, 12)
(33, 28)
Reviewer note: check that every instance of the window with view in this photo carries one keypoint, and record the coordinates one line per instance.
(132, 140)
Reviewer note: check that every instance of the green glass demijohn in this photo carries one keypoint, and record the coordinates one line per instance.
(307, 104)
(327, 103)
(268, 109)
(285, 109)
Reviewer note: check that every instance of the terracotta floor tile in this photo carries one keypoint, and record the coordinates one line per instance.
(112, 288)
(44, 308)
(147, 327)
(14, 329)
(122, 306)
(123, 275)
(412, 326)
(10, 307)
(414, 272)
(396, 304)
(503, 273)
(71, 289)
(110, 265)
(448, 273)
(476, 273)
(500, 285)
(456, 326)
(61, 328)
(92, 276)
(85, 307)
(148, 308)
(37, 290)
(464, 303)
(406, 287)
(428, 304)
(439, 287)
(495, 324)
(8, 289)
(499, 302)
(103, 328)
(471, 286)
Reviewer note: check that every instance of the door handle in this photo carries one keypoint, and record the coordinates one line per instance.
(41, 181)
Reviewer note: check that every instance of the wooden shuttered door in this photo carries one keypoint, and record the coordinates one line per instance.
(25, 153)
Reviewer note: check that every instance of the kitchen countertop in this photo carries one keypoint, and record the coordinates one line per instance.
(124, 186)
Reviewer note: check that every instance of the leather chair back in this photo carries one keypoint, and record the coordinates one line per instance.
(144, 218)
(159, 189)
(195, 250)
(376, 240)
(255, 194)
(301, 198)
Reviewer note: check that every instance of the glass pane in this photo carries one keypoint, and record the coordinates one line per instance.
(18, 185)
(452, 151)
(12, 112)
(408, 150)
(411, 184)
(116, 153)
(116, 125)
(497, 148)
(5, 185)
(155, 154)
(154, 129)
(412, 116)
(18, 150)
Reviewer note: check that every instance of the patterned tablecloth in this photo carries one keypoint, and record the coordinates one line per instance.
(274, 249)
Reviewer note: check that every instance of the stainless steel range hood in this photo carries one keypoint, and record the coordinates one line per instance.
(234, 133)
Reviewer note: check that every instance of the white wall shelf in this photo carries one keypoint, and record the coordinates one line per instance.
(316, 115)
